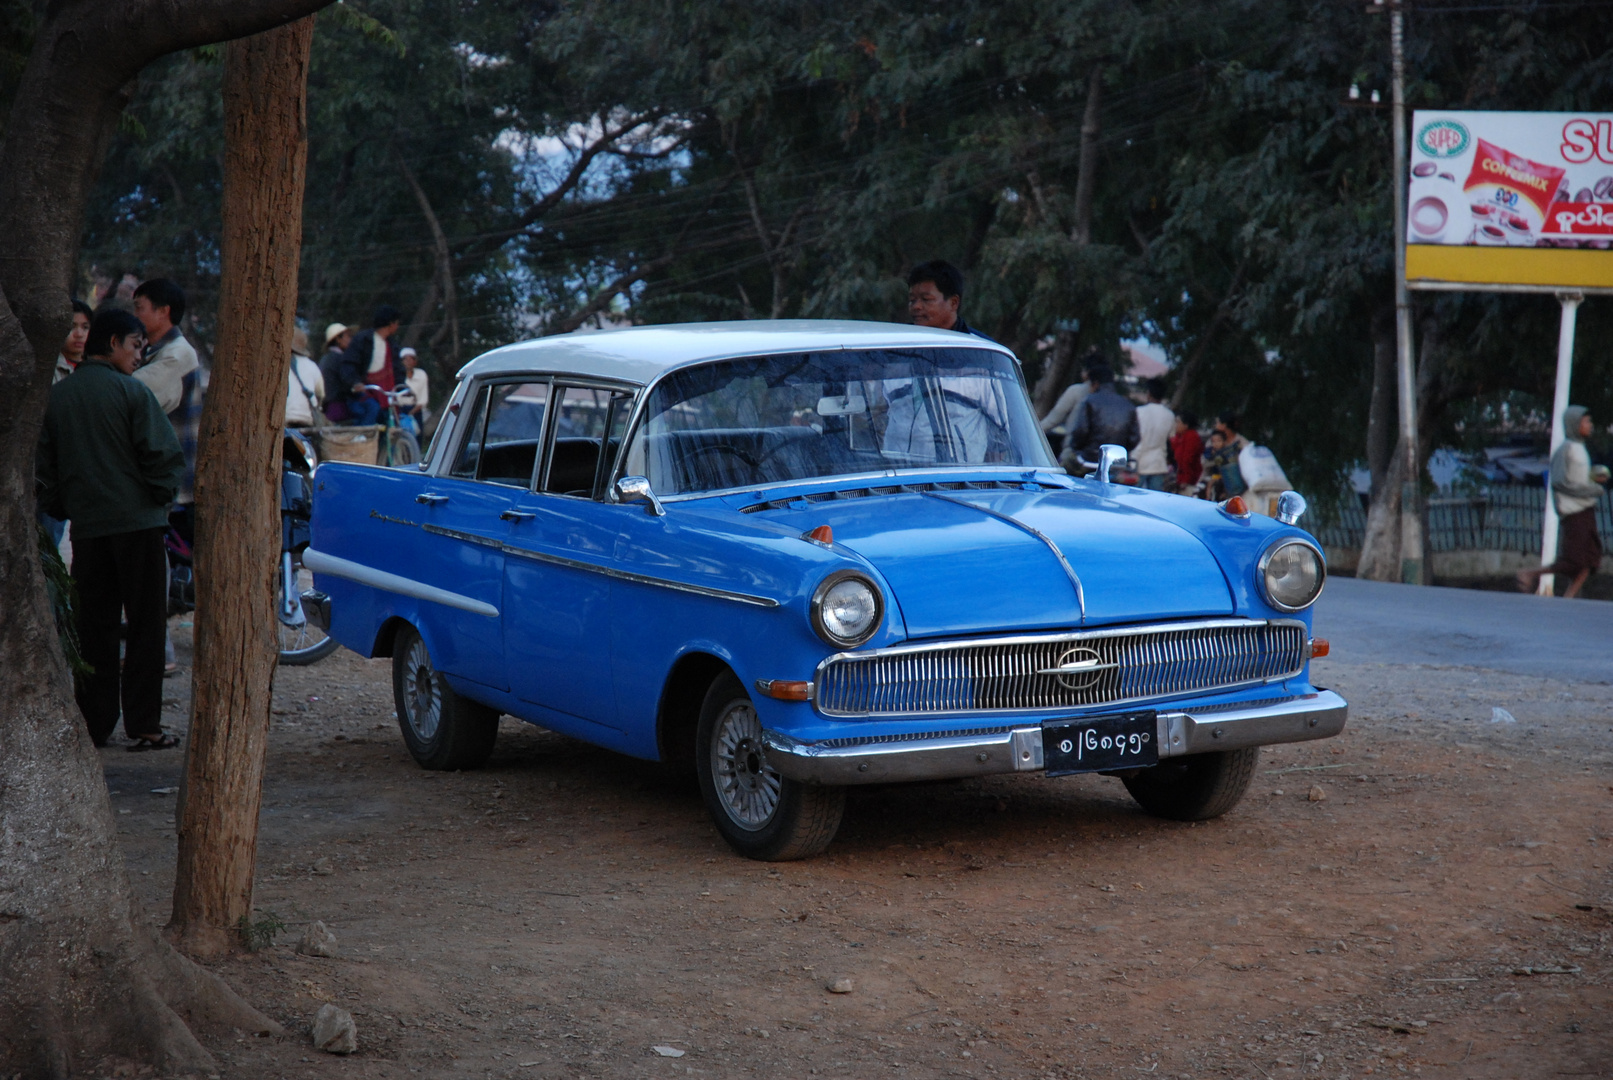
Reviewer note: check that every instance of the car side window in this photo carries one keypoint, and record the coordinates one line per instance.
(515, 414)
(584, 419)
(470, 448)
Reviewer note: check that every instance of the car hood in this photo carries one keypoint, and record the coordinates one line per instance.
(970, 561)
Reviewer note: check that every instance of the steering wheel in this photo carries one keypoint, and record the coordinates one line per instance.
(718, 448)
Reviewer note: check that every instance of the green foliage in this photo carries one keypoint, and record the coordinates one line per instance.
(63, 595)
(259, 935)
(796, 158)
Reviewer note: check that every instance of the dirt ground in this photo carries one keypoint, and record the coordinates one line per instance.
(1430, 894)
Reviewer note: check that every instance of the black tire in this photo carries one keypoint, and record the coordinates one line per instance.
(761, 814)
(1197, 787)
(442, 730)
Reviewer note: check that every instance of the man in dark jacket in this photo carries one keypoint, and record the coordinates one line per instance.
(1104, 417)
(110, 463)
(935, 295)
(371, 360)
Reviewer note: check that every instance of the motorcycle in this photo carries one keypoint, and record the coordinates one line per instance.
(302, 641)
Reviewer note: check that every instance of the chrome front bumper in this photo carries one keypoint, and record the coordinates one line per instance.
(1317, 715)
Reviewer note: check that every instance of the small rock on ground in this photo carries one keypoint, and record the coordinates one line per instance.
(668, 1051)
(841, 985)
(334, 1030)
(1317, 794)
(317, 940)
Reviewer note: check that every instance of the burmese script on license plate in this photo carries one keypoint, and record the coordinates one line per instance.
(1099, 743)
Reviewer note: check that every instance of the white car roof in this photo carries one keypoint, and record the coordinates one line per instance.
(639, 354)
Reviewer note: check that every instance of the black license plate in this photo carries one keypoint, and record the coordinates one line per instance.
(1100, 743)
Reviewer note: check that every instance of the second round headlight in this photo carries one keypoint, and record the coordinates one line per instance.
(1291, 575)
(846, 609)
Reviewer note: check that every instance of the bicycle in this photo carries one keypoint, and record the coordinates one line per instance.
(399, 445)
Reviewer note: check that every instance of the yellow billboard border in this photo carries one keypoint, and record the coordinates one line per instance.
(1544, 268)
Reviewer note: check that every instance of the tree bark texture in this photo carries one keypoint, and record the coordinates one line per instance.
(1380, 546)
(238, 482)
(81, 978)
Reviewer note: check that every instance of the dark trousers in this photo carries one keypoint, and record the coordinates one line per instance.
(123, 576)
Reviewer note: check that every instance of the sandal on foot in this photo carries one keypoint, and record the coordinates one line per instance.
(161, 742)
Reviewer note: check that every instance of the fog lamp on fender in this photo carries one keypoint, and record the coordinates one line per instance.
(1291, 575)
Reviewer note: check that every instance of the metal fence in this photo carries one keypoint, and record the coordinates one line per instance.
(1501, 519)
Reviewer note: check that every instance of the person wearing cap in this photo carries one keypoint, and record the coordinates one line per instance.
(414, 418)
(337, 338)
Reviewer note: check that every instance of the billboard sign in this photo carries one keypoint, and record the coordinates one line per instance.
(1510, 198)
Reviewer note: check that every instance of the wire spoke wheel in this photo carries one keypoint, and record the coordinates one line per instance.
(302, 641)
(748, 788)
(422, 692)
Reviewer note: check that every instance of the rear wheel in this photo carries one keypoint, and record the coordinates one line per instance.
(1197, 787)
(442, 730)
(402, 447)
(301, 642)
(761, 814)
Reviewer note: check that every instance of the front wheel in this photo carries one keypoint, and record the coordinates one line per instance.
(442, 730)
(301, 642)
(1197, 787)
(761, 814)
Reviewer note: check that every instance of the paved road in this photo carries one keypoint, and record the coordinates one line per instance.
(1374, 622)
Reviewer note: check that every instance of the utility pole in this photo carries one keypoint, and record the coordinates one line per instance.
(1411, 522)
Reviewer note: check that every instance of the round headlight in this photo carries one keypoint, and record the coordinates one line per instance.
(846, 609)
(1291, 575)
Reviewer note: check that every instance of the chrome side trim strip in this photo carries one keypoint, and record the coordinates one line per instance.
(320, 563)
(1009, 519)
(641, 579)
(469, 538)
(1317, 715)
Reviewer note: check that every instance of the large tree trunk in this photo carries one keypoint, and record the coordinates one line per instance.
(1055, 374)
(237, 484)
(82, 978)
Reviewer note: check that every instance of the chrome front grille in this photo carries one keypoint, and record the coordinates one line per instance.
(1105, 667)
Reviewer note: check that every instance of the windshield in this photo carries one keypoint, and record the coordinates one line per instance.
(738, 423)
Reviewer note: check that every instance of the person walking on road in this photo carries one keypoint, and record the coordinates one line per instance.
(1576, 488)
(1104, 417)
(110, 463)
(1154, 423)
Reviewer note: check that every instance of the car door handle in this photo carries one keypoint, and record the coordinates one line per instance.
(515, 515)
(429, 499)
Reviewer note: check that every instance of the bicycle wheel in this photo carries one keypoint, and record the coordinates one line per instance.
(301, 642)
(402, 448)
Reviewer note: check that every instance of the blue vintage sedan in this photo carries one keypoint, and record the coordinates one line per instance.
(795, 556)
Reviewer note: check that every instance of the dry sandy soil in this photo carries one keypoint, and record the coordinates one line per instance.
(1444, 909)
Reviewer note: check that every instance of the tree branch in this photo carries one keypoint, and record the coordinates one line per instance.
(444, 283)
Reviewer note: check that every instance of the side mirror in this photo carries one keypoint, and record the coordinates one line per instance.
(1110, 457)
(636, 489)
(1290, 507)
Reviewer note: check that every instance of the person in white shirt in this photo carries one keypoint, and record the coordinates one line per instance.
(305, 386)
(419, 390)
(1154, 424)
(1063, 410)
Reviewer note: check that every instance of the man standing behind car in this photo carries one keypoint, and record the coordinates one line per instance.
(110, 463)
(1104, 417)
(1154, 423)
(371, 359)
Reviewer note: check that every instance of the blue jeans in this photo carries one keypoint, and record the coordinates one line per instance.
(1155, 481)
(363, 410)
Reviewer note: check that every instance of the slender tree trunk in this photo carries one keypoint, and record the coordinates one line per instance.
(237, 484)
(81, 976)
(1056, 375)
(443, 285)
(1086, 174)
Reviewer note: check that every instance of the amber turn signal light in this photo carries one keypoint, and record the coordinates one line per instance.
(1320, 647)
(822, 534)
(785, 691)
(1236, 507)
